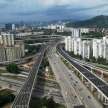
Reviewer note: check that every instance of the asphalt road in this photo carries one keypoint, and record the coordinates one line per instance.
(97, 82)
(71, 86)
(70, 96)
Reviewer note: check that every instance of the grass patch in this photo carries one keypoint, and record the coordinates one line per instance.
(102, 66)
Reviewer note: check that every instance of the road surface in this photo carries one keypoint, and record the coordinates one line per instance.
(71, 86)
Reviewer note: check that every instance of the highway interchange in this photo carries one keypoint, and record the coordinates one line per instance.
(74, 92)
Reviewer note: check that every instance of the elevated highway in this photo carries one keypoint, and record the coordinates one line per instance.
(95, 83)
(23, 98)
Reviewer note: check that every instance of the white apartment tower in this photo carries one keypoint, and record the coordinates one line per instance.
(78, 46)
(75, 32)
(7, 39)
(105, 47)
(98, 48)
(86, 49)
(68, 43)
(9, 49)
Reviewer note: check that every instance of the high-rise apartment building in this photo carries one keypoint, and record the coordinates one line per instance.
(7, 39)
(10, 50)
(95, 47)
(86, 49)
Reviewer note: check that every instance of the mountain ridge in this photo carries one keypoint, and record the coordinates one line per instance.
(98, 21)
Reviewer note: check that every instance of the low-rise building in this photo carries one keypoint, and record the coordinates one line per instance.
(84, 30)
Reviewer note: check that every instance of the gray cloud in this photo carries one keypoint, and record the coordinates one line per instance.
(26, 9)
(3, 5)
(89, 8)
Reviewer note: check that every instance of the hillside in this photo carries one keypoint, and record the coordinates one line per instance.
(98, 21)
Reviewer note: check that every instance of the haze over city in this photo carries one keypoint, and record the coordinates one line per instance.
(47, 10)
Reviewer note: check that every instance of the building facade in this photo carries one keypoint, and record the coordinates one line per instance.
(10, 50)
(7, 39)
(86, 49)
(77, 46)
(75, 32)
(95, 47)
(68, 43)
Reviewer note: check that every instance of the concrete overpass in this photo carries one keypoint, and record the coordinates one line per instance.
(98, 87)
(23, 98)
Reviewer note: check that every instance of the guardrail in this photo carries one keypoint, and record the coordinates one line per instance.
(23, 98)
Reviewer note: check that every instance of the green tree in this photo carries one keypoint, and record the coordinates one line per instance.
(13, 68)
(93, 34)
(93, 59)
(101, 60)
(86, 59)
(6, 97)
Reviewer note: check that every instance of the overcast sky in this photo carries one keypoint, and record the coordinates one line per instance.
(44, 10)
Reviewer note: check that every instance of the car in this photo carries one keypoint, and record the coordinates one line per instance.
(89, 97)
(74, 84)
(75, 96)
(71, 78)
(76, 81)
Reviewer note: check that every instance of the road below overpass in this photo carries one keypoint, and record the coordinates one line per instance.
(74, 91)
(99, 84)
(70, 95)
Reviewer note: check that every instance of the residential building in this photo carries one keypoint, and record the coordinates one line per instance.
(77, 46)
(96, 46)
(10, 50)
(84, 30)
(72, 44)
(7, 39)
(1, 41)
(68, 43)
(105, 44)
(75, 32)
(86, 49)
(20, 44)
(2, 54)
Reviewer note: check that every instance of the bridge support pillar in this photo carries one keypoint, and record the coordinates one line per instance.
(82, 78)
(91, 88)
(102, 98)
(99, 96)
(91, 70)
(106, 103)
(102, 76)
